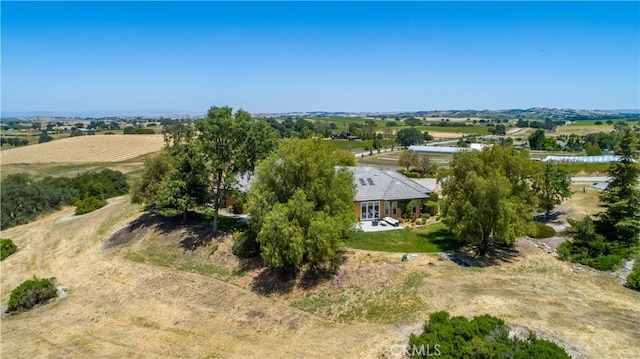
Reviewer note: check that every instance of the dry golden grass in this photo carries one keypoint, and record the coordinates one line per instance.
(84, 149)
(118, 307)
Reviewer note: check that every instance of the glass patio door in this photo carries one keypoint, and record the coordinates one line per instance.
(369, 210)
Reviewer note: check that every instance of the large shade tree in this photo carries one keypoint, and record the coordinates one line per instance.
(231, 145)
(488, 196)
(300, 204)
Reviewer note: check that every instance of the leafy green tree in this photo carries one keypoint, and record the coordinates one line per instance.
(537, 140)
(552, 185)
(232, 145)
(487, 195)
(412, 121)
(145, 190)
(593, 149)
(344, 158)
(408, 159)
(44, 137)
(409, 136)
(300, 204)
(184, 186)
(621, 198)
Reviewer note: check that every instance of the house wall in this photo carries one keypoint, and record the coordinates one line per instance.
(358, 205)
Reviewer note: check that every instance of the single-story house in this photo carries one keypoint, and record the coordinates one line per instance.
(381, 194)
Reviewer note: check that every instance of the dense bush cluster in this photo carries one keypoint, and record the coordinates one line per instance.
(589, 247)
(430, 207)
(89, 204)
(633, 279)
(7, 248)
(137, 131)
(410, 174)
(23, 198)
(540, 230)
(245, 246)
(484, 336)
(13, 141)
(31, 293)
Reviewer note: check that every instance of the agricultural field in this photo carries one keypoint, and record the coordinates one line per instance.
(582, 127)
(84, 149)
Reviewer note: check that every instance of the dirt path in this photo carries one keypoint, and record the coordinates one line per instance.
(119, 308)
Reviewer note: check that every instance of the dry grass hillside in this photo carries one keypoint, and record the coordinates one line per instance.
(163, 296)
(119, 308)
(84, 149)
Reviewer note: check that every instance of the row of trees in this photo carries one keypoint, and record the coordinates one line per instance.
(23, 198)
(490, 195)
(201, 161)
(616, 231)
(592, 143)
(300, 203)
(13, 141)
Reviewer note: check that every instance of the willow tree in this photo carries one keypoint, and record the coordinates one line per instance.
(488, 196)
(300, 204)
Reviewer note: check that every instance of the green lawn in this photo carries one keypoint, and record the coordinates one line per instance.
(427, 239)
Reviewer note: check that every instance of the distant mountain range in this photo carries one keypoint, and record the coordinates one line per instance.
(537, 112)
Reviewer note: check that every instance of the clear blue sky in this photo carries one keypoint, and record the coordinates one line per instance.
(331, 56)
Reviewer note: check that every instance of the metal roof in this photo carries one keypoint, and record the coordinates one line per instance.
(387, 185)
(583, 159)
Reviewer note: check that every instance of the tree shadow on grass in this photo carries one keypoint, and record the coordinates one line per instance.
(275, 281)
(444, 240)
(195, 234)
(498, 253)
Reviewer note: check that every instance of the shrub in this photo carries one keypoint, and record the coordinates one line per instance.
(8, 248)
(605, 262)
(425, 216)
(484, 336)
(245, 247)
(633, 279)
(239, 200)
(409, 174)
(540, 230)
(430, 207)
(89, 204)
(31, 293)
